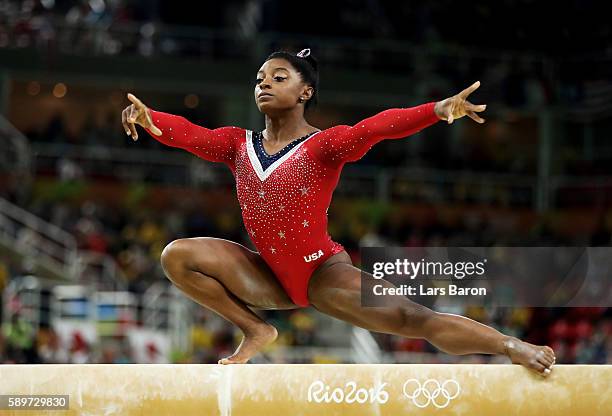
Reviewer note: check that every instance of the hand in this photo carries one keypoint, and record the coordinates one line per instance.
(458, 106)
(137, 113)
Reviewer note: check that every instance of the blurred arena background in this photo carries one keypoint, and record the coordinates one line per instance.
(85, 212)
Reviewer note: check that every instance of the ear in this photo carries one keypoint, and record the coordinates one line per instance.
(307, 93)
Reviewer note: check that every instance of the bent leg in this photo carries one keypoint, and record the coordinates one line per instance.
(336, 291)
(228, 279)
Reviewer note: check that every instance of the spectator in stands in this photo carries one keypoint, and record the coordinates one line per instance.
(20, 339)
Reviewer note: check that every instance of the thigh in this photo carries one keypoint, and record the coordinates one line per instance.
(241, 271)
(336, 291)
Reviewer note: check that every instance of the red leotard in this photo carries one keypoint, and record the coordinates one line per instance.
(284, 207)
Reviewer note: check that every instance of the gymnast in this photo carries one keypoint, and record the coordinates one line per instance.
(285, 177)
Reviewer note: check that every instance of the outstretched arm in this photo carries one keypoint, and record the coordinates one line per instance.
(215, 145)
(343, 144)
(350, 143)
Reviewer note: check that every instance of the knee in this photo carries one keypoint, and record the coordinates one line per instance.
(174, 255)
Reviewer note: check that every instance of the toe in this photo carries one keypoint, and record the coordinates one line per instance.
(545, 360)
(539, 368)
(549, 351)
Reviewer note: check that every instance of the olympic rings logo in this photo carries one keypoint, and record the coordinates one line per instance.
(430, 392)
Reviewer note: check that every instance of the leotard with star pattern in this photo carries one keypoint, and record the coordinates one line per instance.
(284, 197)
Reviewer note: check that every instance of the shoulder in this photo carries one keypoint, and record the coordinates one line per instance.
(331, 132)
(231, 132)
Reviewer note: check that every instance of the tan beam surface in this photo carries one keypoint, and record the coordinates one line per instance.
(270, 390)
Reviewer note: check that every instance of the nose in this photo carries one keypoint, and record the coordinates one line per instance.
(264, 84)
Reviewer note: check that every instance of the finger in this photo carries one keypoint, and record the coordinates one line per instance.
(475, 117)
(124, 122)
(469, 90)
(133, 114)
(133, 131)
(476, 108)
(135, 100)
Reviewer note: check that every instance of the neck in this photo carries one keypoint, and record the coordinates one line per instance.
(286, 126)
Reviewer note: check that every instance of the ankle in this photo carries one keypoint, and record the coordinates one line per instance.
(509, 344)
(259, 328)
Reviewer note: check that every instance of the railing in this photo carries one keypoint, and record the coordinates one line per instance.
(164, 308)
(45, 244)
(41, 241)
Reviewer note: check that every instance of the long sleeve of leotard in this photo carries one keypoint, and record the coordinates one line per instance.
(215, 145)
(350, 143)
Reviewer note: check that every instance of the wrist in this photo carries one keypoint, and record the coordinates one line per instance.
(438, 110)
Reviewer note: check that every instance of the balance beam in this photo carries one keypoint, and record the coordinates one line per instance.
(288, 390)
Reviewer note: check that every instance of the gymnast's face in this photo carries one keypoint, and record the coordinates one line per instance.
(281, 85)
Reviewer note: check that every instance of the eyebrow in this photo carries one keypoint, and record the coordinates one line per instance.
(280, 67)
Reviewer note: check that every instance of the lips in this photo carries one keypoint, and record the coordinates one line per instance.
(264, 94)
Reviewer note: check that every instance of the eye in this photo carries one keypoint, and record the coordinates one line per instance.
(258, 80)
(279, 78)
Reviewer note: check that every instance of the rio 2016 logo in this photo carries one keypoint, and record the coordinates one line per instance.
(431, 392)
(319, 392)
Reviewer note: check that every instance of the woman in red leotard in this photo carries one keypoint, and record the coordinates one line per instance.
(285, 176)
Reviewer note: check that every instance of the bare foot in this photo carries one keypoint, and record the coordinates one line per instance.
(253, 341)
(535, 357)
